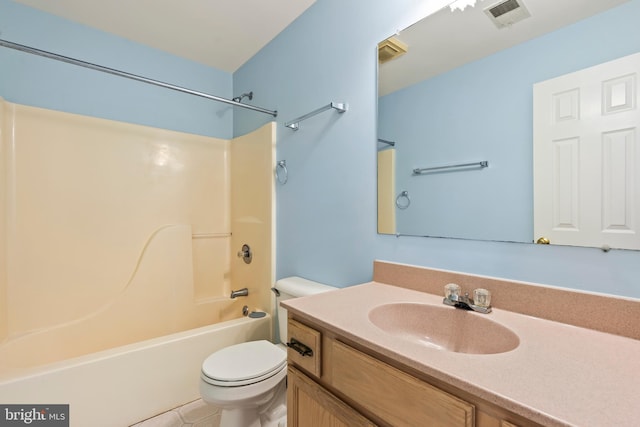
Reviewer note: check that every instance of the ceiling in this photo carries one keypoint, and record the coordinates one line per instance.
(448, 39)
(223, 34)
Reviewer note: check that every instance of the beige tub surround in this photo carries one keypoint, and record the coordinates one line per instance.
(4, 136)
(113, 233)
(386, 192)
(253, 215)
(557, 375)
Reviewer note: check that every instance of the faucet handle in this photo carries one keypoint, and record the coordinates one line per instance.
(245, 253)
(482, 297)
(451, 291)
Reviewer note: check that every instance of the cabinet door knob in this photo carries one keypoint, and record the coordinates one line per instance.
(300, 348)
(543, 241)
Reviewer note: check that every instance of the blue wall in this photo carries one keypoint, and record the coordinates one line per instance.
(483, 111)
(41, 82)
(326, 212)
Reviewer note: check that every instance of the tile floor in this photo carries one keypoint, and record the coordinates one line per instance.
(193, 414)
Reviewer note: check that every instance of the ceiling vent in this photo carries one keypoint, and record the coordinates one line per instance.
(390, 48)
(506, 13)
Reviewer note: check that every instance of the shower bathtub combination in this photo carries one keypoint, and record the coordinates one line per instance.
(115, 260)
(128, 384)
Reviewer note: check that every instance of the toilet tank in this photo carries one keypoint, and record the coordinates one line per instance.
(294, 287)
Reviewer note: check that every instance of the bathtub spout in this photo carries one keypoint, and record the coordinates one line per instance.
(240, 293)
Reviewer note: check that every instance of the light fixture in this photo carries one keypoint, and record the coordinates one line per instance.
(391, 48)
(461, 4)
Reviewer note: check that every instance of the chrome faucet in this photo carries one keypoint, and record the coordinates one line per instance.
(464, 302)
(240, 293)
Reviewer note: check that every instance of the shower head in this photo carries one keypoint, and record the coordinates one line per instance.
(244, 95)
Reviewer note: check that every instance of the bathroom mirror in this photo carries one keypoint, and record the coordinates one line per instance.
(462, 94)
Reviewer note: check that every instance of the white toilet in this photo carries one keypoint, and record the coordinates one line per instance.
(248, 380)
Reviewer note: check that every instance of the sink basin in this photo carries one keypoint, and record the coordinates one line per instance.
(444, 328)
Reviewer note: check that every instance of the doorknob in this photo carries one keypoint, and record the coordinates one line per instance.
(543, 241)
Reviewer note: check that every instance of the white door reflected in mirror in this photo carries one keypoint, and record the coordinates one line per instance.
(586, 160)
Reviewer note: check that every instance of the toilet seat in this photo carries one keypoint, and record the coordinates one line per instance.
(243, 364)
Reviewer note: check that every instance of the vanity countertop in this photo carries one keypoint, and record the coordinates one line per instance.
(559, 374)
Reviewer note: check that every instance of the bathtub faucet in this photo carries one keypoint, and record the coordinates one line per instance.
(240, 293)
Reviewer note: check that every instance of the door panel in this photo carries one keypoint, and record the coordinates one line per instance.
(586, 182)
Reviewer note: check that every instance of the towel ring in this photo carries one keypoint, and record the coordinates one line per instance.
(282, 174)
(401, 196)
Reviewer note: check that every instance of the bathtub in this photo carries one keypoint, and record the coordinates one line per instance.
(124, 385)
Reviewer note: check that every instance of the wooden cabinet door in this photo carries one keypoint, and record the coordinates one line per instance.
(310, 405)
(393, 396)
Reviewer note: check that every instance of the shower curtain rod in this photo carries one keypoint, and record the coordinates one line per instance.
(68, 60)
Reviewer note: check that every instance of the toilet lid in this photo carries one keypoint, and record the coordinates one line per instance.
(244, 363)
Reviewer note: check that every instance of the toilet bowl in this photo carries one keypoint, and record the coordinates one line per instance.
(247, 381)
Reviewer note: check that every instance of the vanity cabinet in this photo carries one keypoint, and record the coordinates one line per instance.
(341, 385)
(310, 405)
(394, 396)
